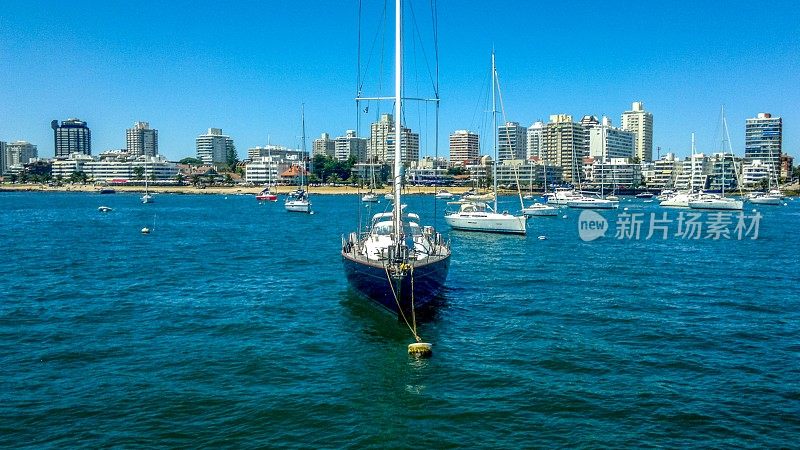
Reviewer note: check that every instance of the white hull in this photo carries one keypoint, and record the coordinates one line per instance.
(540, 210)
(678, 200)
(444, 195)
(717, 203)
(298, 206)
(592, 203)
(765, 200)
(372, 198)
(147, 198)
(487, 222)
(479, 197)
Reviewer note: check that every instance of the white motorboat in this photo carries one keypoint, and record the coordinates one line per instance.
(389, 196)
(540, 210)
(444, 195)
(562, 195)
(479, 216)
(370, 197)
(104, 208)
(762, 198)
(586, 202)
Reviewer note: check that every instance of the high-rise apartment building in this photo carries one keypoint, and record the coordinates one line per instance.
(350, 145)
(142, 140)
(381, 146)
(324, 145)
(511, 141)
(534, 140)
(640, 122)
(465, 147)
(3, 164)
(72, 136)
(214, 147)
(606, 142)
(19, 153)
(564, 144)
(763, 139)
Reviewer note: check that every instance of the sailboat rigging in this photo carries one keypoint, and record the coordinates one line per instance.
(475, 215)
(397, 263)
(298, 200)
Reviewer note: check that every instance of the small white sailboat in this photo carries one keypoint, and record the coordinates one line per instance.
(672, 199)
(476, 215)
(146, 198)
(588, 202)
(370, 197)
(298, 201)
(714, 201)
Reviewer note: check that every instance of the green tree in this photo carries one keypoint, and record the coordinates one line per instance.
(138, 173)
(228, 178)
(196, 179)
(456, 170)
(179, 178)
(231, 158)
(191, 161)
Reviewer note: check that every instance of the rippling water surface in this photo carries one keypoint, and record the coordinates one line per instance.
(231, 324)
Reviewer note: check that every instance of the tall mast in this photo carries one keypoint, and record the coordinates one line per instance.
(691, 178)
(495, 131)
(303, 140)
(398, 123)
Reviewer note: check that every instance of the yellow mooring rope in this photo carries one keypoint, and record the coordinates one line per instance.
(400, 307)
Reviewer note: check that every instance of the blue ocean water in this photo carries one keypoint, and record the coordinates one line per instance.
(231, 325)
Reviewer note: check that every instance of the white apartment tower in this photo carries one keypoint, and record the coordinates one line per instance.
(607, 142)
(19, 152)
(511, 141)
(142, 140)
(534, 140)
(640, 122)
(350, 145)
(564, 144)
(465, 147)
(381, 142)
(214, 147)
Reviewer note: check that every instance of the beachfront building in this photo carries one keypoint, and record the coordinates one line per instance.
(214, 147)
(3, 164)
(350, 145)
(465, 147)
(754, 171)
(278, 151)
(511, 141)
(118, 169)
(527, 174)
(18, 153)
(665, 170)
(533, 145)
(640, 122)
(323, 145)
(265, 169)
(763, 139)
(607, 142)
(71, 136)
(722, 172)
(787, 163)
(564, 144)
(141, 140)
(692, 173)
(616, 173)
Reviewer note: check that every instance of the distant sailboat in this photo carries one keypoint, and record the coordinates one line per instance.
(146, 198)
(475, 215)
(266, 194)
(298, 200)
(713, 201)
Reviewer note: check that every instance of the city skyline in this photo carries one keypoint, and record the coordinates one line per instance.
(112, 66)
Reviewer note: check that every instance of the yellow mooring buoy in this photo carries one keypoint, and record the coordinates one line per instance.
(420, 349)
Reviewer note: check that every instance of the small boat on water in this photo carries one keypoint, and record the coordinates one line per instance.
(646, 195)
(540, 210)
(107, 191)
(765, 198)
(297, 201)
(479, 216)
(444, 194)
(586, 202)
(104, 209)
(712, 201)
(370, 197)
(266, 195)
(389, 196)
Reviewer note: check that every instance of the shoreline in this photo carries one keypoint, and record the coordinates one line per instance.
(253, 190)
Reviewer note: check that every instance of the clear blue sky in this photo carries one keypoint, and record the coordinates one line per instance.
(246, 66)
